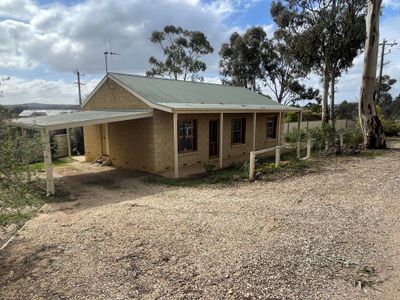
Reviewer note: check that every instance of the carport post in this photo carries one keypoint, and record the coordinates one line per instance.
(69, 143)
(47, 162)
(176, 162)
(221, 139)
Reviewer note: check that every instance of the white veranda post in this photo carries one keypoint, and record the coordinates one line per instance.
(254, 130)
(221, 139)
(47, 162)
(176, 162)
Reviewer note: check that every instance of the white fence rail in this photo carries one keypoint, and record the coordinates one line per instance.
(277, 149)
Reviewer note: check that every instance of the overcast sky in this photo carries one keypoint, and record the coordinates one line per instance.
(42, 42)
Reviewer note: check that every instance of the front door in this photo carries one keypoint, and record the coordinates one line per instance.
(213, 138)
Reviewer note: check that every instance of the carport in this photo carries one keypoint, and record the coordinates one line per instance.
(46, 124)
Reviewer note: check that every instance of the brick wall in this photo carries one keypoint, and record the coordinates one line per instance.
(163, 128)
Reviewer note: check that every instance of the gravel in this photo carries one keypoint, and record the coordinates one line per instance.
(328, 235)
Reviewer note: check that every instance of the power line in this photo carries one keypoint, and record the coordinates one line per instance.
(383, 44)
(79, 83)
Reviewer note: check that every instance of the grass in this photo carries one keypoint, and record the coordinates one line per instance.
(60, 162)
(15, 217)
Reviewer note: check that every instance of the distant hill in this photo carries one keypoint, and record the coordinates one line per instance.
(41, 106)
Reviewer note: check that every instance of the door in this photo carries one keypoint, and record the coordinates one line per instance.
(104, 140)
(213, 138)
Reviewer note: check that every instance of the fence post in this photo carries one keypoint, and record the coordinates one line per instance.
(341, 140)
(252, 165)
(308, 148)
(298, 149)
(326, 146)
(277, 156)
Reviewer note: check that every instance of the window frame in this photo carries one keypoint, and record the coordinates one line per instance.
(274, 127)
(242, 131)
(192, 137)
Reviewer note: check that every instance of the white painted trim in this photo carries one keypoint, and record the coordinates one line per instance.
(175, 139)
(47, 162)
(86, 123)
(149, 103)
(221, 140)
(280, 129)
(254, 130)
(68, 143)
(233, 111)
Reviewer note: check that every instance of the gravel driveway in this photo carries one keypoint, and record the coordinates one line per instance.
(328, 235)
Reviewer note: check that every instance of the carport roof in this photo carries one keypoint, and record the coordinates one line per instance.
(82, 118)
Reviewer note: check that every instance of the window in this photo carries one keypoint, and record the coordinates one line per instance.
(187, 136)
(238, 131)
(271, 127)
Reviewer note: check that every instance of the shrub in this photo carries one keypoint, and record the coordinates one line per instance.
(293, 136)
(352, 137)
(321, 136)
(391, 128)
(209, 167)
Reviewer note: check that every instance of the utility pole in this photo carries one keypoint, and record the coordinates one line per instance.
(383, 44)
(78, 82)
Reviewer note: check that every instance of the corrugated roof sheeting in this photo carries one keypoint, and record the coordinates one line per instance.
(81, 118)
(187, 94)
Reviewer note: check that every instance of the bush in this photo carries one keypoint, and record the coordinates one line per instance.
(391, 128)
(209, 167)
(293, 136)
(352, 137)
(321, 136)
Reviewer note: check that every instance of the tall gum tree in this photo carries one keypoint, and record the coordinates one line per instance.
(326, 36)
(371, 126)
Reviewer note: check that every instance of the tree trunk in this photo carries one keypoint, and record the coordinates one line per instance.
(325, 116)
(371, 126)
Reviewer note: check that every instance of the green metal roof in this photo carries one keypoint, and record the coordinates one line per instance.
(178, 94)
(81, 118)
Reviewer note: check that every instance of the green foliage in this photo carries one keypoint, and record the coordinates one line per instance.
(182, 49)
(209, 167)
(290, 117)
(321, 136)
(77, 141)
(391, 128)
(245, 58)
(352, 137)
(293, 136)
(252, 58)
(346, 110)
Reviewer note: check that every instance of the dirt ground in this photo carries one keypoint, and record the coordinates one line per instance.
(328, 235)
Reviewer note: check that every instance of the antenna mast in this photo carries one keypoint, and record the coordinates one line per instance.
(106, 54)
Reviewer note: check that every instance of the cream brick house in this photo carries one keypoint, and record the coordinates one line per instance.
(190, 124)
(167, 127)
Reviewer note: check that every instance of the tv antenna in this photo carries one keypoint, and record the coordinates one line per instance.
(106, 54)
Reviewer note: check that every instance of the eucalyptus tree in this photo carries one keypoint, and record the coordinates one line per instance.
(326, 35)
(371, 126)
(253, 60)
(244, 59)
(182, 51)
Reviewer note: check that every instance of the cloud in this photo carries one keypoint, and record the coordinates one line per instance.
(18, 90)
(68, 37)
